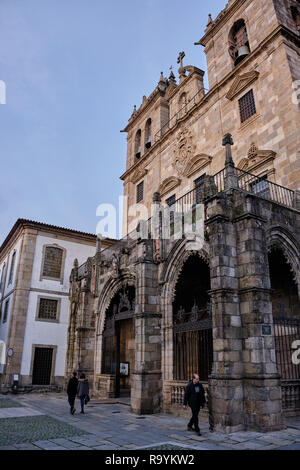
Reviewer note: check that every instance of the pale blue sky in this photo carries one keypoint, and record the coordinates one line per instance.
(73, 71)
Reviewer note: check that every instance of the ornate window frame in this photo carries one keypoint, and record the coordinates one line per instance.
(62, 268)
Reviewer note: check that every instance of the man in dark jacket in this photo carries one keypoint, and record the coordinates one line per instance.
(194, 397)
(72, 391)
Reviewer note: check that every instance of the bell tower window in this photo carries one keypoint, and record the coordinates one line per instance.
(296, 16)
(148, 134)
(239, 46)
(137, 144)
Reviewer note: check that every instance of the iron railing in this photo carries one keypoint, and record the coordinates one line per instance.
(188, 203)
(191, 104)
(286, 332)
(264, 188)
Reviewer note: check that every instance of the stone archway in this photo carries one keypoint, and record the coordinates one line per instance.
(174, 266)
(283, 260)
(109, 318)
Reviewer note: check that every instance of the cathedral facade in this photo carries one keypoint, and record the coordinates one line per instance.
(206, 278)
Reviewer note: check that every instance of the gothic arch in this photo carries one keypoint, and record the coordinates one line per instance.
(278, 236)
(168, 280)
(175, 262)
(111, 287)
(109, 290)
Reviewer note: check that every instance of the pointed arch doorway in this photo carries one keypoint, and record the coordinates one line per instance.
(192, 322)
(118, 356)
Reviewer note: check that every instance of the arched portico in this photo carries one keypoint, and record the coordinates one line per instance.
(283, 260)
(186, 321)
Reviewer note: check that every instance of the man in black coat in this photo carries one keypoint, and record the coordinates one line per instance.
(72, 391)
(194, 397)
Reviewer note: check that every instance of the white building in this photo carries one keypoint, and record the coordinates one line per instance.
(36, 260)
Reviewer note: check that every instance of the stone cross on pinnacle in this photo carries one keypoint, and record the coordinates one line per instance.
(180, 59)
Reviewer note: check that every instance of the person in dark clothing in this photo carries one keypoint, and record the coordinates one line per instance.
(194, 396)
(82, 390)
(72, 391)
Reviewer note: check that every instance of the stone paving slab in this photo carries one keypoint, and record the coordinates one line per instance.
(18, 412)
(26, 446)
(295, 446)
(8, 403)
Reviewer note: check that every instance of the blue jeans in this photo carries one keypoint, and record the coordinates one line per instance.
(82, 403)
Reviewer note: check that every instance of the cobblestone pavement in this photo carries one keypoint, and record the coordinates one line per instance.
(44, 422)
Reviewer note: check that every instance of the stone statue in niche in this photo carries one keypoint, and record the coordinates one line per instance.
(115, 265)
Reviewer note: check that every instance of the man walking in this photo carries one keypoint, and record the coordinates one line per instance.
(194, 396)
(72, 391)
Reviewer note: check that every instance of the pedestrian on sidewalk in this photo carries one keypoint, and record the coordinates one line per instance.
(83, 391)
(194, 396)
(72, 391)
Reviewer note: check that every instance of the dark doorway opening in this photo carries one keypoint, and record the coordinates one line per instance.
(119, 340)
(42, 366)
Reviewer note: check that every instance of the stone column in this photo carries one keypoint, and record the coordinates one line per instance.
(19, 309)
(262, 389)
(226, 380)
(146, 377)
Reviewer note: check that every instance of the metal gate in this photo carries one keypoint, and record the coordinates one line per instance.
(42, 365)
(193, 350)
(287, 332)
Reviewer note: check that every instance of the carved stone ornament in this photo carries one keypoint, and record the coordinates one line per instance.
(256, 159)
(197, 163)
(241, 82)
(184, 150)
(139, 173)
(169, 184)
(115, 265)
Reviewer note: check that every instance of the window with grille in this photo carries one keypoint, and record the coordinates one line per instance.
(5, 311)
(171, 203)
(140, 192)
(247, 106)
(12, 267)
(48, 309)
(52, 262)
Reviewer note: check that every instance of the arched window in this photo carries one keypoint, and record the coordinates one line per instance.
(148, 134)
(239, 46)
(296, 16)
(137, 144)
